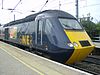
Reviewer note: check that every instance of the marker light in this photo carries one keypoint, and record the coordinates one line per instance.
(70, 45)
(75, 44)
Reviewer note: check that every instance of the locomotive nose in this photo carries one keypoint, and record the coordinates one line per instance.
(82, 45)
(79, 55)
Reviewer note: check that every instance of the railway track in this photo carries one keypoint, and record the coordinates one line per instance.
(80, 67)
(91, 64)
(93, 60)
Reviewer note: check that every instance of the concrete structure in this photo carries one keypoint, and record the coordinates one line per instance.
(97, 44)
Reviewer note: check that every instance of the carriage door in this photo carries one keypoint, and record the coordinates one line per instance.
(6, 33)
(39, 32)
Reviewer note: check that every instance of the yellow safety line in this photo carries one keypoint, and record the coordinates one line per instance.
(23, 62)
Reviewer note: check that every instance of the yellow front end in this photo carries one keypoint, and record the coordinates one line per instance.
(79, 52)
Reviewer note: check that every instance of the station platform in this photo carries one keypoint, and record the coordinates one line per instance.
(97, 44)
(97, 48)
(15, 61)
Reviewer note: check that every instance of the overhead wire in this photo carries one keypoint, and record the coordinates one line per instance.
(54, 6)
(44, 5)
(16, 5)
(53, 1)
(90, 5)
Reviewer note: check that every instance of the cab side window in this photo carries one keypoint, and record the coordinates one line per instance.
(48, 26)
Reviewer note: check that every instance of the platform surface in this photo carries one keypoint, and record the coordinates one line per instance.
(15, 61)
(97, 44)
(10, 66)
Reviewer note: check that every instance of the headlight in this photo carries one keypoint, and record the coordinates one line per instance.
(70, 44)
(75, 44)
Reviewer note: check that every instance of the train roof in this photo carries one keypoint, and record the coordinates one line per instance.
(52, 13)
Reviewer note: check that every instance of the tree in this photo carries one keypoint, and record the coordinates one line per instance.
(89, 26)
(98, 28)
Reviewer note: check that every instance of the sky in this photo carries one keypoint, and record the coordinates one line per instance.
(25, 7)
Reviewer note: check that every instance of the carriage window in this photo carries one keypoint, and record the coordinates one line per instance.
(40, 25)
(70, 24)
(48, 26)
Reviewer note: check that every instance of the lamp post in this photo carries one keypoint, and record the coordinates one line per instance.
(77, 10)
(11, 11)
(2, 4)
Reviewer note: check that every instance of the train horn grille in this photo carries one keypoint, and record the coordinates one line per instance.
(85, 43)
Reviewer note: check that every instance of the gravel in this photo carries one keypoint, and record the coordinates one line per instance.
(88, 66)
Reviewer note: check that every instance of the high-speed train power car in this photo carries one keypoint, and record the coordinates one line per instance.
(53, 33)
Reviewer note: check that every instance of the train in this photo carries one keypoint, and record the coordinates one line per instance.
(55, 34)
